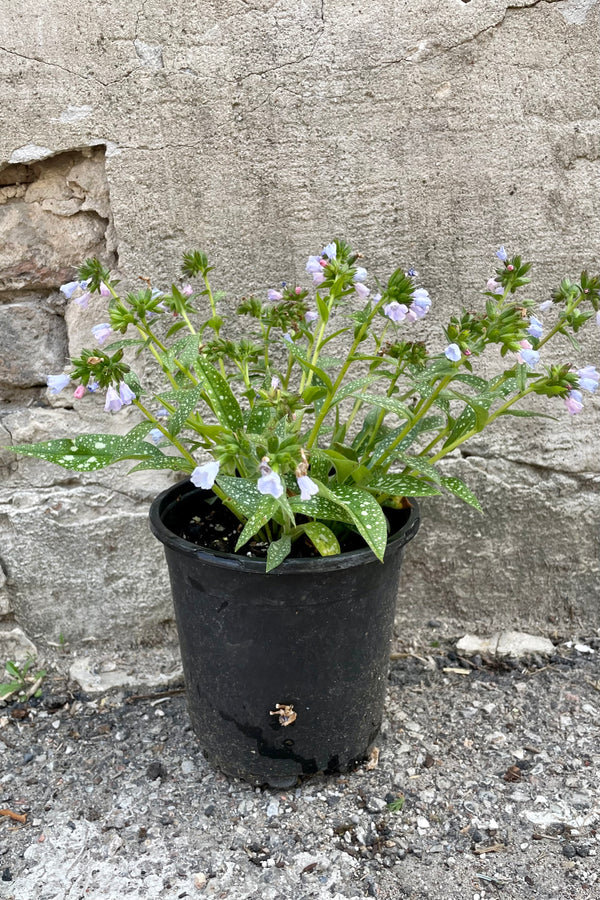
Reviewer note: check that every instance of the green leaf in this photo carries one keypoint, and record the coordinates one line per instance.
(278, 551)
(242, 491)
(84, 453)
(185, 349)
(419, 464)
(354, 387)
(299, 354)
(366, 514)
(521, 376)
(6, 689)
(176, 327)
(221, 397)
(429, 423)
(13, 671)
(321, 508)
(343, 466)
(403, 486)
(162, 461)
(480, 406)
(528, 414)
(259, 418)
(323, 309)
(314, 392)
(188, 400)
(259, 518)
(320, 465)
(479, 384)
(388, 403)
(458, 487)
(127, 342)
(323, 538)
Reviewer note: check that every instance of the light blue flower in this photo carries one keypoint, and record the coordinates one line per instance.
(310, 316)
(270, 483)
(275, 383)
(588, 379)
(307, 486)
(287, 337)
(330, 251)
(93, 386)
(102, 332)
(274, 295)
(113, 401)
(126, 394)
(574, 402)
(313, 265)
(104, 290)
(536, 328)
(395, 311)
(421, 301)
(502, 254)
(530, 357)
(453, 352)
(545, 305)
(57, 383)
(205, 476)
(70, 287)
(362, 290)
(411, 273)
(493, 287)
(83, 300)
(360, 274)
(155, 435)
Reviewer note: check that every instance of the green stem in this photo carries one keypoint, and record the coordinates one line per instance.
(314, 433)
(419, 413)
(185, 453)
(465, 437)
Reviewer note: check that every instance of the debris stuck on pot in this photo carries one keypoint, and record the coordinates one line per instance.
(285, 712)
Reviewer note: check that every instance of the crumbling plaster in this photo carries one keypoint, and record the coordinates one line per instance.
(424, 132)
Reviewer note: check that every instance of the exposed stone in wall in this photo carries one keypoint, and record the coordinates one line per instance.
(66, 565)
(38, 249)
(53, 214)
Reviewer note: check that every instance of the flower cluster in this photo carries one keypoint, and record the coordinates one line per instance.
(295, 441)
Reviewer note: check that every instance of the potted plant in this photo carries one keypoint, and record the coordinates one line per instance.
(306, 427)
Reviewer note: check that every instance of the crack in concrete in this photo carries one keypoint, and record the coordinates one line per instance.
(412, 57)
(45, 62)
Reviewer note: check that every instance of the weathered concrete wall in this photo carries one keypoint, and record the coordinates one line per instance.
(424, 133)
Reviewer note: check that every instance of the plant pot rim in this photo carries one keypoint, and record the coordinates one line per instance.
(166, 500)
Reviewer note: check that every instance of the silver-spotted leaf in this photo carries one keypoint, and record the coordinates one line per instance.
(366, 514)
(261, 515)
(278, 551)
(458, 487)
(403, 486)
(323, 538)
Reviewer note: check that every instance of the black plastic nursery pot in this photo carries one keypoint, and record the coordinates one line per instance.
(314, 634)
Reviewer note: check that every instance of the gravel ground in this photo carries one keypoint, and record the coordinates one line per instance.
(486, 786)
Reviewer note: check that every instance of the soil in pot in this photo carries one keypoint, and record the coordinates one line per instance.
(215, 527)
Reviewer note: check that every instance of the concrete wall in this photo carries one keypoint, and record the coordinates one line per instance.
(425, 133)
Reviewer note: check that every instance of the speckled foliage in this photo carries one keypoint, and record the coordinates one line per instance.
(431, 132)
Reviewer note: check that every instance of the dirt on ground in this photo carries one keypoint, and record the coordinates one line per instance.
(486, 786)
